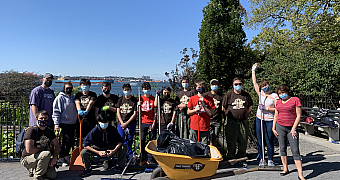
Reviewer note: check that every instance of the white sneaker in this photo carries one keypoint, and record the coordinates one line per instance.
(262, 162)
(271, 163)
(67, 159)
(62, 162)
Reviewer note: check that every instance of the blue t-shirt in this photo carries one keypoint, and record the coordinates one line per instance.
(43, 99)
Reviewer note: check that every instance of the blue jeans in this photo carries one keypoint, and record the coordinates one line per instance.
(129, 140)
(268, 136)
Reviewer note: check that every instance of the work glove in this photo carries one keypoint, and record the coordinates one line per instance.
(85, 113)
(80, 112)
(105, 108)
(169, 126)
(262, 107)
(254, 68)
(127, 131)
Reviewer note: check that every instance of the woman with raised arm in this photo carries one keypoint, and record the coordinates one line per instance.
(265, 113)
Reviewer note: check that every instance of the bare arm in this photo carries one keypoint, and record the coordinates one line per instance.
(30, 148)
(274, 121)
(89, 106)
(77, 104)
(256, 86)
(298, 117)
(132, 117)
(34, 109)
(190, 111)
(115, 149)
(173, 117)
(119, 117)
(100, 153)
(155, 104)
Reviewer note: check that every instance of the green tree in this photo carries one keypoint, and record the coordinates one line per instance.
(221, 41)
(186, 67)
(13, 83)
(294, 24)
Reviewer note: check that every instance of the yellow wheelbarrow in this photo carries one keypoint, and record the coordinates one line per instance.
(184, 167)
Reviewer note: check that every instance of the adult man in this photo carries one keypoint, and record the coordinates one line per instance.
(37, 152)
(107, 102)
(216, 117)
(41, 98)
(237, 104)
(84, 102)
(182, 100)
(103, 140)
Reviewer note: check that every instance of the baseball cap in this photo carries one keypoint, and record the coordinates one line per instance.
(48, 75)
(213, 81)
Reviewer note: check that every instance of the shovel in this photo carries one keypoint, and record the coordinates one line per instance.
(76, 163)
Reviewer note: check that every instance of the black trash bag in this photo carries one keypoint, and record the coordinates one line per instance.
(172, 144)
(164, 138)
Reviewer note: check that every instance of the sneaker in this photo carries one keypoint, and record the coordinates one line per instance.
(85, 172)
(271, 163)
(262, 162)
(62, 162)
(106, 165)
(30, 172)
(119, 169)
(67, 159)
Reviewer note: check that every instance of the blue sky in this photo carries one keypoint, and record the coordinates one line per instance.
(99, 38)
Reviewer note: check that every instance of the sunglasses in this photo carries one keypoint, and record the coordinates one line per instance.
(238, 84)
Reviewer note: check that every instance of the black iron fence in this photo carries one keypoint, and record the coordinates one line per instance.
(14, 115)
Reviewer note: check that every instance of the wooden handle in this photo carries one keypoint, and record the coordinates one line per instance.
(140, 130)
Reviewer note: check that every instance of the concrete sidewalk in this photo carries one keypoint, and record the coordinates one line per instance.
(321, 160)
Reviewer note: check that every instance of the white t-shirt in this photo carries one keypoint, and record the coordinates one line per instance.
(268, 101)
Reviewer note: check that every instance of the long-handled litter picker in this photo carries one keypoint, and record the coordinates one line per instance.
(140, 130)
(263, 161)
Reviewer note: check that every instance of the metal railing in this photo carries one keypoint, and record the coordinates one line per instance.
(14, 114)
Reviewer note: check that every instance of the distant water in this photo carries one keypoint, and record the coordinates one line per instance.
(116, 87)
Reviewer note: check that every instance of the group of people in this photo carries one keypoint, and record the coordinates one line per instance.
(109, 121)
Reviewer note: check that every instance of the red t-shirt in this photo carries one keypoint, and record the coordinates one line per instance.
(287, 111)
(200, 121)
(147, 109)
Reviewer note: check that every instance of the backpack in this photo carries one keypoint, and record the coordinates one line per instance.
(20, 143)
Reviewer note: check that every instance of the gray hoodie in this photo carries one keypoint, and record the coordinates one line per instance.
(64, 109)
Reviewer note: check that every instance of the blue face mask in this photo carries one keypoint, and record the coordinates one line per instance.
(127, 93)
(104, 125)
(214, 87)
(283, 96)
(238, 88)
(85, 88)
(185, 85)
(146, 91)
(266, 89)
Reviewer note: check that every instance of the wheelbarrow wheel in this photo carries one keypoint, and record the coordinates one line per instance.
(158, 173)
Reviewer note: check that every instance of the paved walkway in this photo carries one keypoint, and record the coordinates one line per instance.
(321, 160)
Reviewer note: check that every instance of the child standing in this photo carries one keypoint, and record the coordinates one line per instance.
(199, 109)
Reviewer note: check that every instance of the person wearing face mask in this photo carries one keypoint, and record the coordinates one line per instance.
(265, 113)
(182, 100)
(107, 102)
(237, 105)
(168, 109)
(286, 120)
(200, 109)
(127, 113)
(103, 141)
(148, 126)
(37, 152)
(216, 117)
(65, 117)
(84, 101)
(41, 98)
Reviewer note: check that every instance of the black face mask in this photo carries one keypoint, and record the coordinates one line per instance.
(166, 96)
(48, 83)
(106, 91)
(68, 90)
